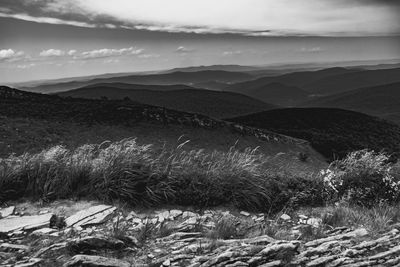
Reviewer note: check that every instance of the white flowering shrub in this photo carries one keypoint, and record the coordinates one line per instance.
(364, 178)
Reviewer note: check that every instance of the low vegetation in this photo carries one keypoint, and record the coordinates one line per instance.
(148, 175)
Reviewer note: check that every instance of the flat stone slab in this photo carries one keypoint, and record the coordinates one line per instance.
(81, 216)
(25, 223)
(98, 218)
(95, 261)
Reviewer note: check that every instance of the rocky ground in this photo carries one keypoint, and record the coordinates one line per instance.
(92, 234)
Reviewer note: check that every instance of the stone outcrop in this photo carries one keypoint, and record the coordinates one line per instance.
(187, 238)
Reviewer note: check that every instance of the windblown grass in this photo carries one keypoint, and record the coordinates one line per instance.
(147, 175)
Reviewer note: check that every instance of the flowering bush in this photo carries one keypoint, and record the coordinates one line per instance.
(364, 178)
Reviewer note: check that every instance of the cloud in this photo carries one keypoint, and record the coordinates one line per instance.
(10, 55)
(232, 53)
(71, 52)
(106, 52)
(26, 66)
(184, 50)
(245, 17)
(52, 53)
(316, 49)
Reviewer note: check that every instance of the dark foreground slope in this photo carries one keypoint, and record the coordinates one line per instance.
(382, 101)
(210, 103)
(30, 122)
(332, 132)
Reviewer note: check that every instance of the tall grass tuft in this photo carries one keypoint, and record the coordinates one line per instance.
(147, 175)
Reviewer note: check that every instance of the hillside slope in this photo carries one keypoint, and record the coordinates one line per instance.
(277, 94)
(210, 103)
(382, 101)
(332, 132)
(350, 81)
(30, 122)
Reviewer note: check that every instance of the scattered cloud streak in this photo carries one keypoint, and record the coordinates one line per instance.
(244, 17)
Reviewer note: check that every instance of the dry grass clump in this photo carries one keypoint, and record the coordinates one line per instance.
(147, 175)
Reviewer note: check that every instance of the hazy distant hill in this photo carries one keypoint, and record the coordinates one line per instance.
(234, 68)
(383, 101)
(348, 81)
(188, 78)
(332, 132)
(298, 79)
(211, 103)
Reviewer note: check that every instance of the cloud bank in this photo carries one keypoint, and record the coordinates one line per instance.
(245, 17)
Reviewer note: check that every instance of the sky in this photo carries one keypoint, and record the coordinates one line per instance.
(45, 39)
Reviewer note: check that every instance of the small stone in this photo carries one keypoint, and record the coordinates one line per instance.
(175, 213)
(43, 231)
(13, 247)
(167, 262)
(187, 214)
(314, 222)
(285, 217)
(95, 261)
(245, 213)
(5, 212)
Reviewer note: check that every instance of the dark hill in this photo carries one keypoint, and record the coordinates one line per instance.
(382, 101)
(298, 79)
(187, 78)
(350, 81)
(30, 122)
(332, 132)
(277, 94)
(210, 103)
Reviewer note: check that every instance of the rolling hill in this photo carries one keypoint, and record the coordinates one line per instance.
(277, 94)
(332, 132)
(210, 103)
(30, 122)
(382, 101)
(298, 79)
(187, 78)
(349, 81)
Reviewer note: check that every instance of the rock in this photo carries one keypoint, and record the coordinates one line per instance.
(175, 213)
(285, 217)
(187, 214)
(6, 247)
(245, 213)
(5, 212)
(32, 262)
(87, 244)
(95, 261)
(44, 231)
(10, 224)
(87, 216)
(272, 264)
(356, 233)
(314, 222)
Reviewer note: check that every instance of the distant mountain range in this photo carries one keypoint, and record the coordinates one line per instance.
(188, 78)
(177, 97)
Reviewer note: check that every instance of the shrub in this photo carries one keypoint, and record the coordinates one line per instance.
(363, 178)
